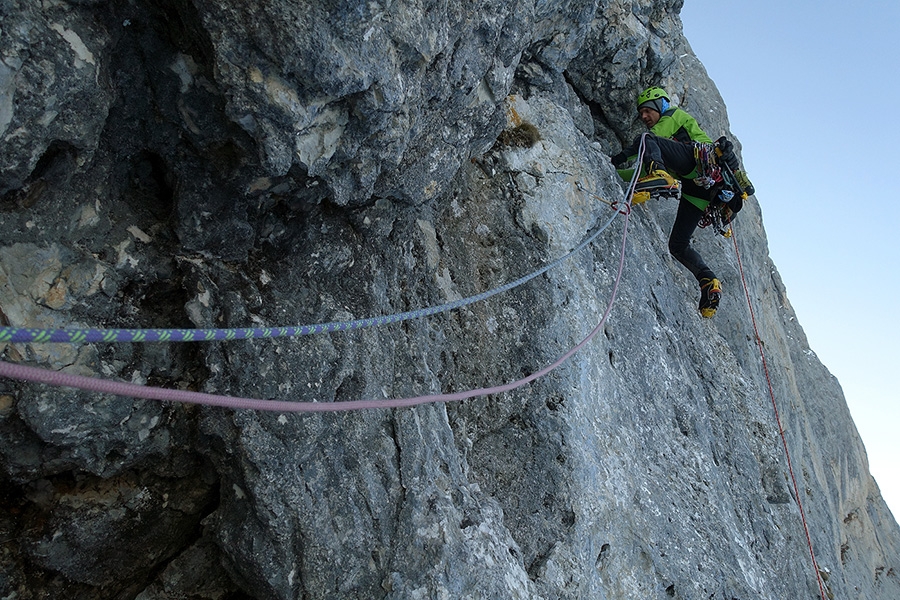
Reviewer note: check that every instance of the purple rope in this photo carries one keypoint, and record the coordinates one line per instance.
(120, 388)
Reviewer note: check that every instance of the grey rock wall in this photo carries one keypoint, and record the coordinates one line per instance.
(214, 163)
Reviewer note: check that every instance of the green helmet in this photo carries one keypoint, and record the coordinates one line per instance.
(651, 94)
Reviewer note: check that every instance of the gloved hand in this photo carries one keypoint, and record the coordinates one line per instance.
(728, 156)
(619, 158)
(731, 160)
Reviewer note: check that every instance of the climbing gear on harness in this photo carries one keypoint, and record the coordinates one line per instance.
(721, 212)
(709, 173)
(717, 163)
(710, 294)
(657, 184)
(719, 171)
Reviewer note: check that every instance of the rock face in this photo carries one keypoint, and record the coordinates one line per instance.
(220, 163)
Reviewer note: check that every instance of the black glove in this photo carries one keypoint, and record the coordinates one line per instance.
(732, 161)
(619, 158)
(727, 153)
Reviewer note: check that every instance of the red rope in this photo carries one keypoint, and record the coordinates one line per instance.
(787, 454)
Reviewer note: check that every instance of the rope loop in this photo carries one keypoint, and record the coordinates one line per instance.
(58, 378)
(120, 388)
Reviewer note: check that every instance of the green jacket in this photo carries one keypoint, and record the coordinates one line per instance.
(677, 124)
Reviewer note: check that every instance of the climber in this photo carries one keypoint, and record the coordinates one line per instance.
(669, 150)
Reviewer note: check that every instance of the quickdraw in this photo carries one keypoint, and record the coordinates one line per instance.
(708, 169)
(623, 208)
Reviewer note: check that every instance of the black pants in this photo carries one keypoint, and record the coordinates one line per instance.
(676, 157)
(686, 221)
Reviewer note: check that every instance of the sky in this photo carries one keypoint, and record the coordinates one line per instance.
(812, 91)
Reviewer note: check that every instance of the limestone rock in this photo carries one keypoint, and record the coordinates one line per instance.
(218, 163)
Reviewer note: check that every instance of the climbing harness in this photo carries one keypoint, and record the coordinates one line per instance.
(760, 346)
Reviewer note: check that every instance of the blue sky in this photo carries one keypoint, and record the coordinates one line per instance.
(813, 91)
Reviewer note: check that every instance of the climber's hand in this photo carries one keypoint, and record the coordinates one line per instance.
(727, 155)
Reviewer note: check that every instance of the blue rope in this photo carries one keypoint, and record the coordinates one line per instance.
(35, 335)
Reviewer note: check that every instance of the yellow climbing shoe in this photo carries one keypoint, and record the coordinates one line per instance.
(657, 179)
(710, 294)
